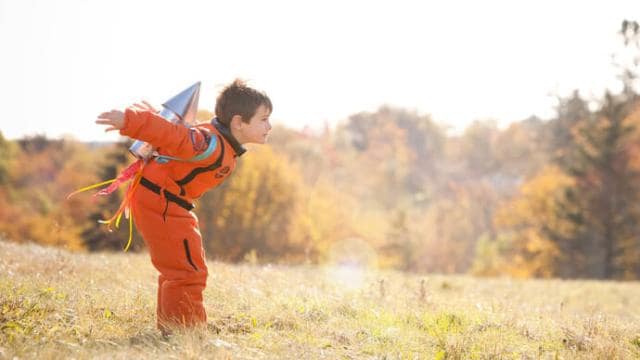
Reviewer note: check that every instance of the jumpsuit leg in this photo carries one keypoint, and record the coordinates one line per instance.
(184, 274)
(176, 250)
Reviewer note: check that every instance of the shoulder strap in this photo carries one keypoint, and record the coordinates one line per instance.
(163, 159)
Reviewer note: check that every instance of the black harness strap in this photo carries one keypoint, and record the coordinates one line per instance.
(195, 172)
(167, 194)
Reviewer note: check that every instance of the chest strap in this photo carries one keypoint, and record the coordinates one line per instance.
(167, 194)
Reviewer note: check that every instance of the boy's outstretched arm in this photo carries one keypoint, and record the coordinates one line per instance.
(141, 122)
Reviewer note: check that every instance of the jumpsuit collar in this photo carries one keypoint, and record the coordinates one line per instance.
(226, 133)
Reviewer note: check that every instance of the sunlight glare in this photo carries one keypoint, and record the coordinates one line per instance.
(349, 261)
(347, 276)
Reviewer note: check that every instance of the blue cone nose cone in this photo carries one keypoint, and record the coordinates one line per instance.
(185, 104)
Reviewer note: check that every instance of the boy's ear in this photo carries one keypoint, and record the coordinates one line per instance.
(236, 122)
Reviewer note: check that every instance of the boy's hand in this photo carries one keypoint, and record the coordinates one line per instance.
(113, 118)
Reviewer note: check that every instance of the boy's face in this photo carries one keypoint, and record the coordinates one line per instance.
(257, 130)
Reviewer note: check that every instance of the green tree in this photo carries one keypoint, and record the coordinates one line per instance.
(606, 189)
(571, 112)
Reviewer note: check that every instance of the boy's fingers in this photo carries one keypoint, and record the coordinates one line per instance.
(149, 106)
(108, 114)
(145, 106)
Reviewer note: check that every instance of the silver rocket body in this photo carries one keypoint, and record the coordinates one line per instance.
(180, 109)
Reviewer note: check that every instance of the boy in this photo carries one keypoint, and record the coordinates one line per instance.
(162, 204)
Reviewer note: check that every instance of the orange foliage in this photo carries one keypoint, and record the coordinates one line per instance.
(524, 217)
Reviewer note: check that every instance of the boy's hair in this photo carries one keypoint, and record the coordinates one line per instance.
(239, 99)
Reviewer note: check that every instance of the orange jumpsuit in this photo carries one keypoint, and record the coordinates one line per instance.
(162, 205)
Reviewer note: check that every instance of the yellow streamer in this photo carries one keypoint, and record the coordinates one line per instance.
(117, 216)
(90, 187)
(118, 221)
(130, 230)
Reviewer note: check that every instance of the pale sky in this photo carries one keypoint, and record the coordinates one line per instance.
(63, 62)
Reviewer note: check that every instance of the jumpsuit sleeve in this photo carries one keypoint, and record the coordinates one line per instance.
(169, 138)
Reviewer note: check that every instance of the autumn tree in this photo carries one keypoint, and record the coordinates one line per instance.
(585, 223)
(253, 210)
(403, 150)
(521, 149)
(38, 188)
(7, 153)
(533, 239)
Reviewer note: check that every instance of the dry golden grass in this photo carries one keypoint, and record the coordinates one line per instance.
(55, 304)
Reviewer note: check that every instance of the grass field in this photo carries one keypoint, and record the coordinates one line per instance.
(55, 304)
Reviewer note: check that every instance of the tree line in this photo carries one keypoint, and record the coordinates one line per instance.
(546, 198)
